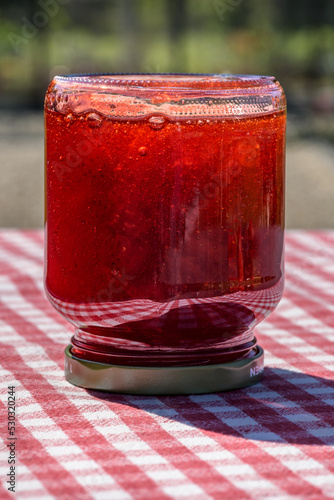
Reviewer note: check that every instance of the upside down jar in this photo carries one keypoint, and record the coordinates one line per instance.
(164, 232)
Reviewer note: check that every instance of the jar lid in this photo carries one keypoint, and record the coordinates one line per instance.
(129, 96)
(164, 380)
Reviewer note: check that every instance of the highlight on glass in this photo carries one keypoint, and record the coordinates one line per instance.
(164, 226)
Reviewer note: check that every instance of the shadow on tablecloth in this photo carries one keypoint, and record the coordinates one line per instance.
(286, 407)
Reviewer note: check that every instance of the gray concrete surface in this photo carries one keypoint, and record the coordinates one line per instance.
(21, 167)
(310, 176)
(310, 185)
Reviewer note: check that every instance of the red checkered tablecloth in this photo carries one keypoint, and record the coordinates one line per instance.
(270, 441)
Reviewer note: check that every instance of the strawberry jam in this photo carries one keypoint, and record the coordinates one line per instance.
(165, 214)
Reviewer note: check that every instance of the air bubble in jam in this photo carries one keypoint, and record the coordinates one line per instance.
(94, 120)
(142, 151)
(61, 104)
(80, 103)
(156, 122)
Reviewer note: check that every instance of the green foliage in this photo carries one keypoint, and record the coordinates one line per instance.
(215, 36)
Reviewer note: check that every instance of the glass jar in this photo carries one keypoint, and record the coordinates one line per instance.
(164, 234)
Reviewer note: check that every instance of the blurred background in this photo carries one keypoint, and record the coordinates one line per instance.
(293, 41)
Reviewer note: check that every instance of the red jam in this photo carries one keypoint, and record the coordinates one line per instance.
(164, 233)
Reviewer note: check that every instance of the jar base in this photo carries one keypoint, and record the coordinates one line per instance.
(164, 380)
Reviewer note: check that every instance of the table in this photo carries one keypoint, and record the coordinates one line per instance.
(273, 440)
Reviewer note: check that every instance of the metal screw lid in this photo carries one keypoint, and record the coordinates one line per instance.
(164, 380)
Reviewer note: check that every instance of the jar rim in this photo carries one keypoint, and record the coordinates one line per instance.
(221, 82)
(175, 95)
